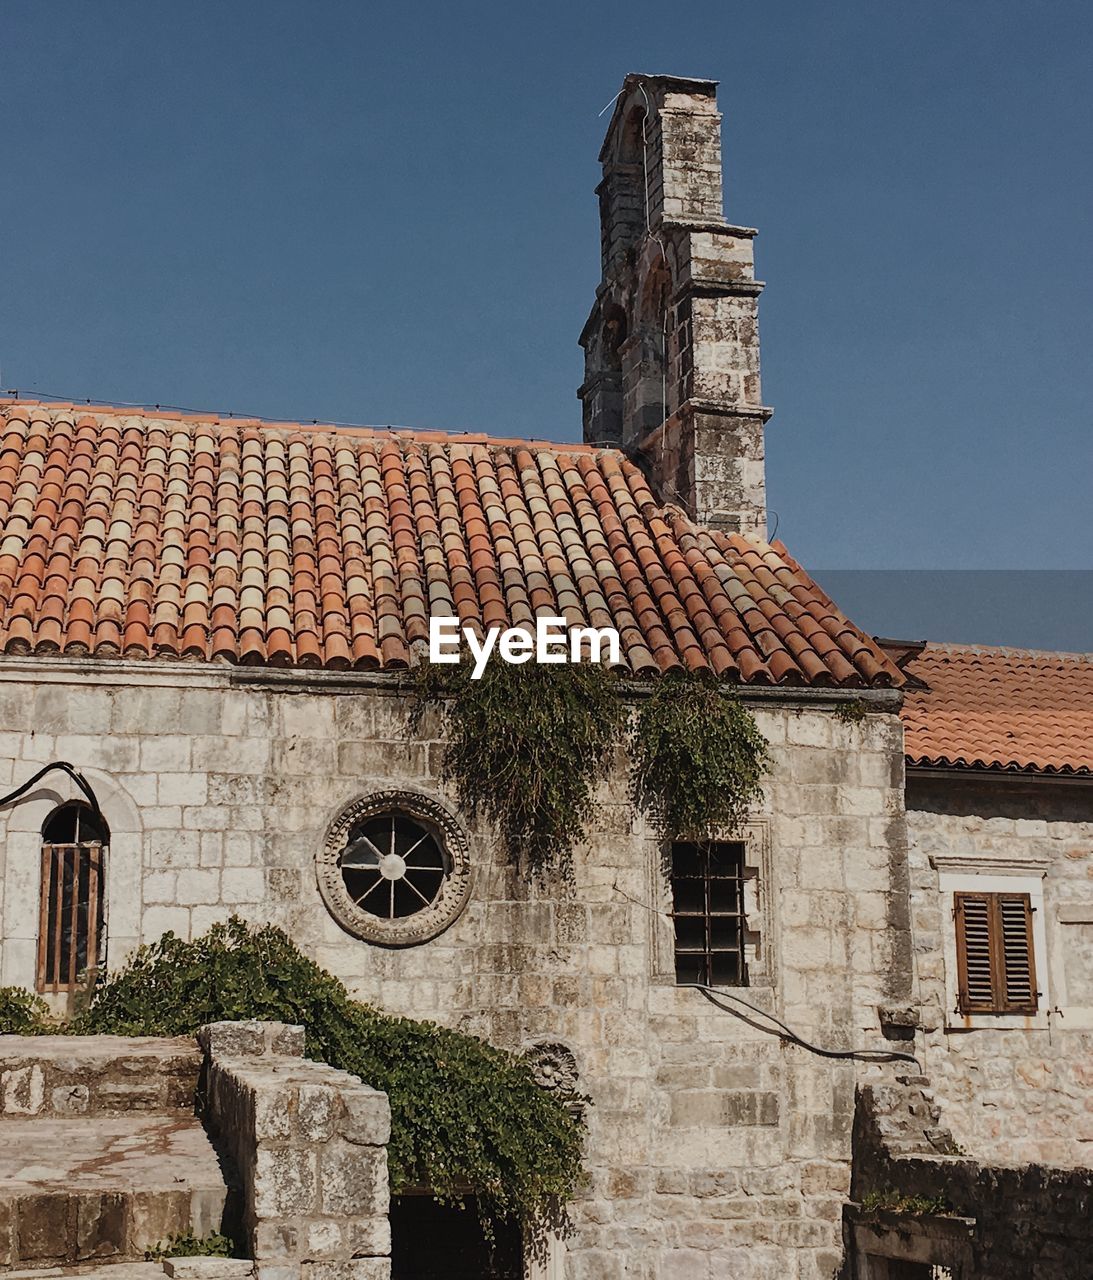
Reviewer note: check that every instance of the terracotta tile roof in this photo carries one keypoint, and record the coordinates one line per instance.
(161, 536)
(1002, 709)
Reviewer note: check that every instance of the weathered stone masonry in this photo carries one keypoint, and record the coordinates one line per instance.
(672, 342)
(712, 1147)
(1010, 1089)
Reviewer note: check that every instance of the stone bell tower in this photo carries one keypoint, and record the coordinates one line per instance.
(672, 344)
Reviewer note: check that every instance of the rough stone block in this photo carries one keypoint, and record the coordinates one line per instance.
(365, 1117)
(135, 1095)
(275, 1240)
(208, 1268)
(272, 1113)
(23, 1090)
(323, 1239)
(370, 1236)
(353, 1179)
(278, 1271)
(155, 1215)
(284, 1182)
(233, 1039)
(315, 1112)
(43, 1227)
(351, 1269)
(287, 1039)
(101, 1225)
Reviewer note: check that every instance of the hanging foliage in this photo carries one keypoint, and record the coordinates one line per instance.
(466, 1118)
(698, 757)
(525, 746)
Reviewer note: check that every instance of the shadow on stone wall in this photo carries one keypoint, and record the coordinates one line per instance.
(1003, 1222)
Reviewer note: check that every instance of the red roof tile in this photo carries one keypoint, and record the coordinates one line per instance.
(148, 535)
(1002, 709)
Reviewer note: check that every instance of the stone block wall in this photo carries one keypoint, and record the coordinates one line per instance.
(1010, 1093)
(712, 1146)
(309, 1145)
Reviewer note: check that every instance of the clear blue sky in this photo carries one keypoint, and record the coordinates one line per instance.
(385, 214)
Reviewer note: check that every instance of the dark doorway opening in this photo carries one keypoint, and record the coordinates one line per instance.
(430, 1241)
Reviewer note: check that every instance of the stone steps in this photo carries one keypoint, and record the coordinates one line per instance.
(174, 1268)
(104, 1187)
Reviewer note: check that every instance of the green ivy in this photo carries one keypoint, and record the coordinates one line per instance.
(23, 1014)
(190, 1246)
(466, 1118)
(525, 746)
(699, 757)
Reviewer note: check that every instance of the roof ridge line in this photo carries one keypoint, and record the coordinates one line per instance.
(426, 435)
(1005, 650)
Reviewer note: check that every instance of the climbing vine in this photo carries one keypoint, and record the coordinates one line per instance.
(527, 744)
(466, 1118)
(525, 747)
(698, 757)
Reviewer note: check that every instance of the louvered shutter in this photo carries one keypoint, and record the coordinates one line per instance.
(995, 963)
(1019, 983)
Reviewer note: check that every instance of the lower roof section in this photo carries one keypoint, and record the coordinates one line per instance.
(1003, 710)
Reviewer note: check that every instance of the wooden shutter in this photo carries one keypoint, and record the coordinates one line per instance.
(1015, 912)
(995, 964)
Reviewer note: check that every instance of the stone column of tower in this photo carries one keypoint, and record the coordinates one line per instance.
(672, 344)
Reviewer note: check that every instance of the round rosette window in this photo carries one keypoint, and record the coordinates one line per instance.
(395, 868)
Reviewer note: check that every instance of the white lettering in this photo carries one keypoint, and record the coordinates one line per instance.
(516, 645)
(480, 652)
(550, 643)
(595, 638)
(443, 632)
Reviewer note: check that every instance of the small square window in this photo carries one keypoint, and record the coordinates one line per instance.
(708, 913)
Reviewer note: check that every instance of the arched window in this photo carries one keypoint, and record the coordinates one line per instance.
(614, 335)
(70, 930)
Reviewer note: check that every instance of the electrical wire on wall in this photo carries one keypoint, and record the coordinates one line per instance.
(760, 1020)
(64, 767)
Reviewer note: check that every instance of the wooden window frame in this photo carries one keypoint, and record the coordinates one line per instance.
(60, 913)
(999, 1002)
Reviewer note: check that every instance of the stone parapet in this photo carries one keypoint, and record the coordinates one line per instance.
(309, 1144)
(996, 1222)
(96, 1075)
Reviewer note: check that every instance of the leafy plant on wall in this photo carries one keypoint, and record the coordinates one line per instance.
(698, 757)
(466, 1118)
(526, 745)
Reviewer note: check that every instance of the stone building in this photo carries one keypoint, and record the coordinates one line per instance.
(1000, 817)
(208, 618)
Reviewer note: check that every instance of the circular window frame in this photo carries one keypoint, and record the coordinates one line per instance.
(423, 925)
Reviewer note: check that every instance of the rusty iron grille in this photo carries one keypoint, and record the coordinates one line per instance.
(708, 912)
(70, 928)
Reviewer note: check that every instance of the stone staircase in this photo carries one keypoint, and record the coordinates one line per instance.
(102, 1156)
